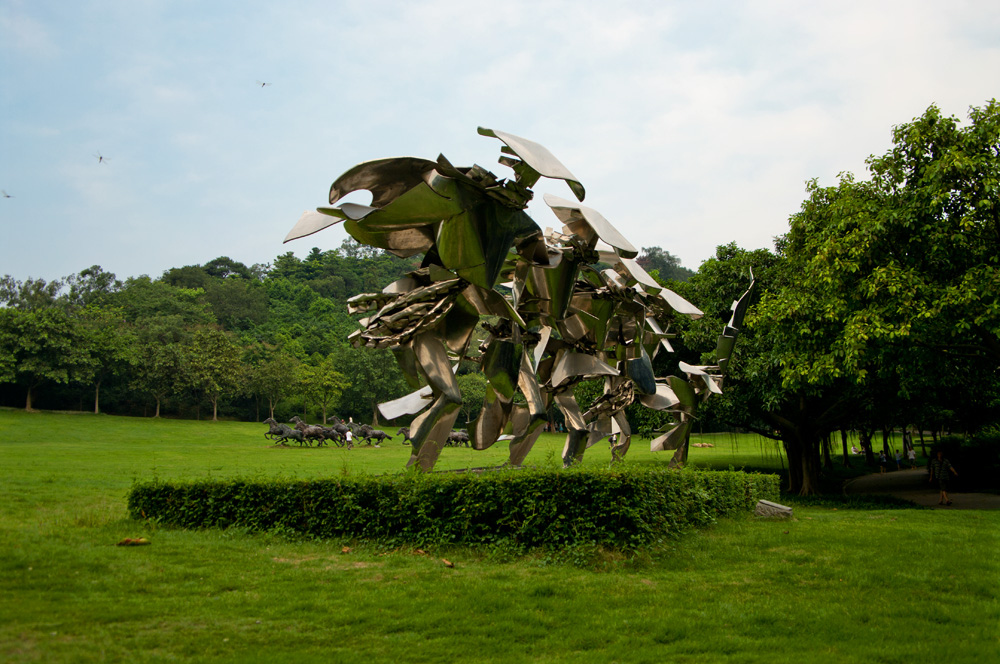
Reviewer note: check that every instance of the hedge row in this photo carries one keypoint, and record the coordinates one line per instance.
(622, 509)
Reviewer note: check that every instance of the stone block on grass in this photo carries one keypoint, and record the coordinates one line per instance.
(766, 508)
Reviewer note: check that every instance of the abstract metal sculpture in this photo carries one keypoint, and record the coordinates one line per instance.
(575, 305)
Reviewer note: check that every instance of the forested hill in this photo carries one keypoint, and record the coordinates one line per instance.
(220, 338)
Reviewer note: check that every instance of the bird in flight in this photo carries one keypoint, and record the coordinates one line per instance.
(101, 159)
(5, 194)
(262, 83)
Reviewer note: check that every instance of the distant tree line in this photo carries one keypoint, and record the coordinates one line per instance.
(235, 341)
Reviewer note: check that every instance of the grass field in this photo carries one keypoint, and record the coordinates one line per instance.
(831, 586)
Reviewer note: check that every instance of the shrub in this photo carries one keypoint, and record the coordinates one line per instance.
(622, 509)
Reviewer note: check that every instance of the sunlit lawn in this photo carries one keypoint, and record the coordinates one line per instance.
(833, 585)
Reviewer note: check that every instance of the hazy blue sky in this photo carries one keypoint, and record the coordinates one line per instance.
(690, 124)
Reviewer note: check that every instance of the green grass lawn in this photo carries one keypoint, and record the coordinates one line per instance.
(831, 586)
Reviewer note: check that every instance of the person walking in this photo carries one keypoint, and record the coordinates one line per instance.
(882, 461)
(939, 468)
(899, 460)
(349, 436)
(911, 456)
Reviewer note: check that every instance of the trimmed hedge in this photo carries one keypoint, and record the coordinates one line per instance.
(621, 509)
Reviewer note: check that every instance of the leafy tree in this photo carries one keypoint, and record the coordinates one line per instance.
(157, 362)
(109, 343)
(225, 267)
(321, 383)
(92, 286)
(873, 271)
(473, 386)
(39, 346)
(273, 378)
(31, 294)
(666, 265)
(189, 276)
(755, 395)
(146, 301)
(213, 366)
(933, 245)
(237, 304)
(375, 378)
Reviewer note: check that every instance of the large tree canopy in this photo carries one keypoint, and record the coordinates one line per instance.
(882, 271)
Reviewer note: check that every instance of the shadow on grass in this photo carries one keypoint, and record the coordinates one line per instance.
(864, 501)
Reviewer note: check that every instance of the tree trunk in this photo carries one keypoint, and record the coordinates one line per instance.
(865, 437)
(97, 398)
(324, 414)
(157, 413)
(923, 445)
(827, 461)
(886, 433)
(27, 404)
(810, 471)
(843, 443)
(215, 409)
(794, 455)
(270, 407)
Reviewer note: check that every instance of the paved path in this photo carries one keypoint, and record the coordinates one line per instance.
(913, 485)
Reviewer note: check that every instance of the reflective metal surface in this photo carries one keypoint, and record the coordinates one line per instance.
(576, 305)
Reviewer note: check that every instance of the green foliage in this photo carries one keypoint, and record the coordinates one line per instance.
(663, 264)
(374, 377)
(321, 383)
(237, 304)
(212, 366)
(110, 344)
(884, 300)
(92, 286)
(620, 509)
(30, 294)
(149, 302)
(272, 376)
(41, 345)
(473, 386)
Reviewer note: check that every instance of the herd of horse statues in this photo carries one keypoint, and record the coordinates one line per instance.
(306, 434)
(555, 307)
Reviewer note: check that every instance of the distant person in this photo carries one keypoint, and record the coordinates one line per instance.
(899, 460)
(939, 468)
(911, 456)
(349, 436)
(882, 462)
(855, 450)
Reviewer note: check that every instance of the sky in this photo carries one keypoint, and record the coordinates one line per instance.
(137, 135)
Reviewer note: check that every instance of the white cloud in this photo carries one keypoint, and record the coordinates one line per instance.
(690, 125)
